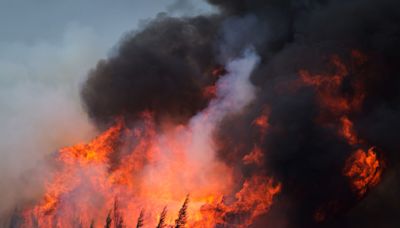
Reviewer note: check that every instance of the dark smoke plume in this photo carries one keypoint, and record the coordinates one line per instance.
(165, 67)
(162, 69)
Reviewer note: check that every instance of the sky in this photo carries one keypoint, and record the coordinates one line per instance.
(47, 48)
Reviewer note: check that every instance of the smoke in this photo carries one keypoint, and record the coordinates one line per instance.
(40, 110)
(302, 153)
(165, 67)
(162, 68)
(234, 93)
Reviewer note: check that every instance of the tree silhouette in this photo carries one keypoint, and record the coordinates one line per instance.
(140, 220)
(163, 216)
(108, 220)
(180, 222)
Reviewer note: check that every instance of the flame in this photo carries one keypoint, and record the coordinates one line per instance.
(254, 199)
(364, 170)
(85, 188)
(141, 175)
(254, 156)
(347, 131)
(328, 87)
(262, 122)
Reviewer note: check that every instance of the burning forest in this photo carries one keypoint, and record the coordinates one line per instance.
(260, 114)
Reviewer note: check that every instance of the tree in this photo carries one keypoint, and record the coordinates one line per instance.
(108, 220)
(118, 219)
(163, 215)
(140, 220)
(180, 222)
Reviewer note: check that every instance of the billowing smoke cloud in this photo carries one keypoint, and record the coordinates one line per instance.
(161, 69)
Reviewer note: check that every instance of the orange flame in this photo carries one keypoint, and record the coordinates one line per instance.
(328, 88)
(153, 171)
(254, 156)
(348, 131)
(262, 123)
(254, 199)
(364, 170)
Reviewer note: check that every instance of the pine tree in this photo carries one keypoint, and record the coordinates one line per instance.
(163, 215)
(180, 222)
(108, 220)
(140, 220)
(118, 219)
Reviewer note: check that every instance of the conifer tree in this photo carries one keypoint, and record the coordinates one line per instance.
(163, 215)
(180, 222)
(108, 220)
(139, 223)
(118, 219)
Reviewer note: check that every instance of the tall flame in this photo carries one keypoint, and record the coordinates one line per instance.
(134, 176)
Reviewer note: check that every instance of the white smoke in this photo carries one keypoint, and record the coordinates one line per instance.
(234, 92)
(41, 111)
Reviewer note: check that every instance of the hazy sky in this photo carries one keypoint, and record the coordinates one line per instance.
(46, 50)
(34, 20)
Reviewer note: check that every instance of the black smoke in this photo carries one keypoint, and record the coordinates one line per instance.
(161, 69)
(164, 68)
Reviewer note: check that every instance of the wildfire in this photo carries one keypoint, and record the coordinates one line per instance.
(85, 189)
(139, 176)
(167, 175)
